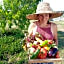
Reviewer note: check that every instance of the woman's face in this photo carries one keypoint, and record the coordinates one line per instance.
(43, 17)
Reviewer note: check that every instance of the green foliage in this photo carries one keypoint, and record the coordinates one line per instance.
(19, 58)
(11, 49)
(15, 11)
(12, 39)
(8, 45)
(3, 62)
(11, 44)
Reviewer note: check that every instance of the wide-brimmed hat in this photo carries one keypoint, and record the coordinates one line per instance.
(44, 7)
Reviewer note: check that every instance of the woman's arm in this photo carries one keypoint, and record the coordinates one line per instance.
(55, 33)
(30, 29)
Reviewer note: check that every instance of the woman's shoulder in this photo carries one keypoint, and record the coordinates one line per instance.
(53, 27)
(31, 27)
(53, 24)
(32, 24)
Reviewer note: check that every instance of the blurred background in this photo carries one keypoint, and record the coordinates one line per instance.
(14, 26)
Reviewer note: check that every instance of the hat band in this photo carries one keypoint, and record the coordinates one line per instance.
(40, 12)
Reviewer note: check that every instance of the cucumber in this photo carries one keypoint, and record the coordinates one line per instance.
(35, 54)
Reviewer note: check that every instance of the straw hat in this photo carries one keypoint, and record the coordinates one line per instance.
(44, 7)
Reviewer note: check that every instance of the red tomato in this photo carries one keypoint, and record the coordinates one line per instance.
(41, 56)
(57, 55)
(44, 51)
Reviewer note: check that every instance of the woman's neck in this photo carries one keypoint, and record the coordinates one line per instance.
(41, 23)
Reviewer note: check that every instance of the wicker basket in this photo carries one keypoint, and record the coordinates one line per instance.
(55, 60)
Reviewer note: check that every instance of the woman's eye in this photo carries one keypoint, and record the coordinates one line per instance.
(42, 15)
(46, 14)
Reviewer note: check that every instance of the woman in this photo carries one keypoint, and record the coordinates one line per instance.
(47, 29)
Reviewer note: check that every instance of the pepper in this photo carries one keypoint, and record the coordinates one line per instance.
(46, 47)
(43, 43)
(35, 54)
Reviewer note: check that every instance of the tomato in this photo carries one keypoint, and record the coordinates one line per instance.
(44, 51)
(57, 55)
(41, 55)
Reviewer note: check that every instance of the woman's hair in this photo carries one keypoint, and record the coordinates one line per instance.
(49, 17)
